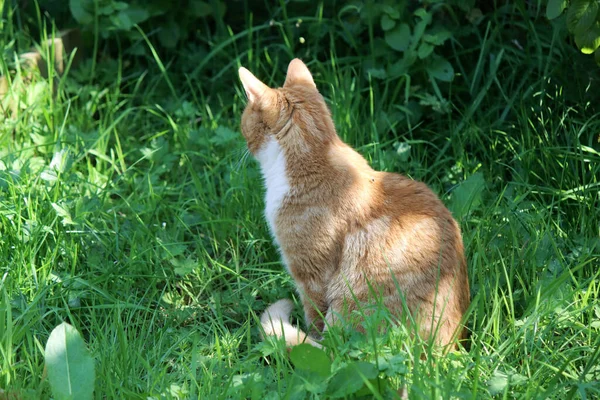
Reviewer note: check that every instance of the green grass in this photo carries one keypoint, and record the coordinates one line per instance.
(129, 209)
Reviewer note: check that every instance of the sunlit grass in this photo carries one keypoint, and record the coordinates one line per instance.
(127, 209)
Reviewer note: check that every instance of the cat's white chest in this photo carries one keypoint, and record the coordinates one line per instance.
(273, 166)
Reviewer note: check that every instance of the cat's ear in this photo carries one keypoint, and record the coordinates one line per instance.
(298, 73)
(254, 88)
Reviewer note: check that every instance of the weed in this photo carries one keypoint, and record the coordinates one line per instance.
(130, 210)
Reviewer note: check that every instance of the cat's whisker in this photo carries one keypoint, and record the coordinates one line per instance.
(241, 162)
(239, 151)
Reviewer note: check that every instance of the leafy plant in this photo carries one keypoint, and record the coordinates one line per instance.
(404, 40)
(130, 208)
(416, 42)
(315, 369)
(583, 22)
(467, 196)
(69, 364)
(173, 24)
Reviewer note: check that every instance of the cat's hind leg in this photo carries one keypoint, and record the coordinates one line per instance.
(315, 307)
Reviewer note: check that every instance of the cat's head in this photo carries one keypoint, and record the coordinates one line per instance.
(294, 115)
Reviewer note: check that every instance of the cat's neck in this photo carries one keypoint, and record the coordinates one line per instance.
(273, 167)
(270, 156)
(309, 168)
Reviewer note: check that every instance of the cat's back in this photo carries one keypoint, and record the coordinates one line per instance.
(418, 216)
(405, 196)
(364, 194)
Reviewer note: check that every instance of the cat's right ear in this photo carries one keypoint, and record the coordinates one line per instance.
(254, 88)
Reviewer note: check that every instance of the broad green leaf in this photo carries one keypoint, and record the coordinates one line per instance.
(424, 15)
(387, 23)
(403, 151)
(127, 18)
(467, 195)
(589, 40)
(497, 382)
(200, 8)
(122, 20)
(69, 364)
(184, 267)
(588, 17)
(137, 14)
(418, 32)
(311, 381)
(424, 50)
(120, 5)
(500, 380)
(393, 365)
(437, 36)
(402, 66)
(581, 15)
(555, 8)
(378, 73)
(79, 9)
(224, 136)
(391, 11)
(221, 8)
(61, 161)
(106, 9)
(399, 37)
(309, 358)
(35, 92)
(440, 69)
(64, 213)
(597, 56)
(351, 378)
(244, 383)
(170, 249)
(296, 390)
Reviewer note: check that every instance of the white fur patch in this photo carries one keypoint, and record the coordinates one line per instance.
(275, 321)
(272, 164)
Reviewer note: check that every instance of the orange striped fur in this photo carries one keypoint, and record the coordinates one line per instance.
(348, 234)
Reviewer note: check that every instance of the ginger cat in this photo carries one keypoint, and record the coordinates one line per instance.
(346, 232)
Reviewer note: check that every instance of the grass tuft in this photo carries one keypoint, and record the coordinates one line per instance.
(130, 209)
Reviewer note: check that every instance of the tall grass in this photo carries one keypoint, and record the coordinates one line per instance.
(129, 209)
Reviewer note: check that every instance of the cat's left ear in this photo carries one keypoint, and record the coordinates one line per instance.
(254, 88)
(298, 73)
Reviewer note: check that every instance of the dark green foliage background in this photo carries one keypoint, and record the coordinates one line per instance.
(129, 208)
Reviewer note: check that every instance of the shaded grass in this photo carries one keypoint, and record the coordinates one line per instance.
(146, 231)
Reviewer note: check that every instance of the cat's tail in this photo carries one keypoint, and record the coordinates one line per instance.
(275, 321)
